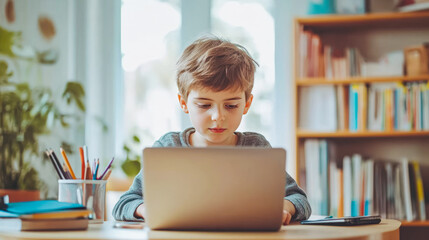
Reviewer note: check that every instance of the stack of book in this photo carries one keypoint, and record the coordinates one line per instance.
(317, 59)
(363, 186)
(43, 215)
(392, 106)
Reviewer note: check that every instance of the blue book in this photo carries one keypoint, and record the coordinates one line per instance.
(323, 173)
(351, 109)
(42, 206)
(356, 111)
(395, 109)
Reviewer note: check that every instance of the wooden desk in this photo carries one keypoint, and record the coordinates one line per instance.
(387, 229)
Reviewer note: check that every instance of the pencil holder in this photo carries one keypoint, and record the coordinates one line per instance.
(90, 193)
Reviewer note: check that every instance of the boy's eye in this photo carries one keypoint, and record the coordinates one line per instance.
(230, 106)
(204, 106)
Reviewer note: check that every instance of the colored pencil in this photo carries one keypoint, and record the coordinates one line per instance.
(88, 171)
(57, 161)
(107, 175)
(82, 161)
(96, 169)
(66, 171)
(107, 168)
(68, 163)
(55, 165)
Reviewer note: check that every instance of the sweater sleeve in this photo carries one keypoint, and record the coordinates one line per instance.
(126, 206)
(298, 198)
(129, 201)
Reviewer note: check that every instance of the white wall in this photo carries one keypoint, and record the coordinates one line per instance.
(284, 116)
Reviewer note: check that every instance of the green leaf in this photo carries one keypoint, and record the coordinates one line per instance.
(8, 39)
(131, 167)
(126, 149)
(63, 122)
(68, 148)
(136, 139)
(75, 92)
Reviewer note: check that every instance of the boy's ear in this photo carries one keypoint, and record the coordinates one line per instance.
(182, 103)
(248, 103)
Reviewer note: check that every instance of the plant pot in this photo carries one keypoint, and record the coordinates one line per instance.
(21, 195)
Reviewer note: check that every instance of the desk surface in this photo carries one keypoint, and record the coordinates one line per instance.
(387, 229)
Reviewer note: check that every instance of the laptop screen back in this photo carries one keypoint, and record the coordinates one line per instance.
(214, 188)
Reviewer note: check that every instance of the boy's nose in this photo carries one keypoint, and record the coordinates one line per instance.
(218, 114)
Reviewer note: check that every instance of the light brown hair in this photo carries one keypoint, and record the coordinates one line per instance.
(216, 64)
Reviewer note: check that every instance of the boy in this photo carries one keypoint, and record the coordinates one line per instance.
(215, 80)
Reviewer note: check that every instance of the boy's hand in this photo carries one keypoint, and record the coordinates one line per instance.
(286, 217)
(140, 211)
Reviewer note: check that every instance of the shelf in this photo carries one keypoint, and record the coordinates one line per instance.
(366, 20)
(319, 81)
(415, 223)
(361, 134)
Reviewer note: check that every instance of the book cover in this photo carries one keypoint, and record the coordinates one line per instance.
(369, 187)
(317, 110)
(420, 191)
(18, 224)
(41, 206)
(333, 189)
(406, 190)
(312, 164)
(59, 214)
(323, 173)
(347, 186)
(399, 202)
(357, 184)
(341, 193)
(414, 7)
(390, 194)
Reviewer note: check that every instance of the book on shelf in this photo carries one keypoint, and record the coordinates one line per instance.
(363, 186)
(347, 185)
(310, 55)
(390, 64)
(317, 59)
(406, 190)
(413, 7)
(312, 166)
(369, 188)
(318, 111)
(419, 191)
(392, 106)
(356, 184)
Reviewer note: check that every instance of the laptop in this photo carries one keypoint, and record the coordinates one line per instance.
(215, 188)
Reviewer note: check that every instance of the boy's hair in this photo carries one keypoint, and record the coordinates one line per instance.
(216, 64)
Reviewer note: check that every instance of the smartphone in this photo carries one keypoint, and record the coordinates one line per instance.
(346, 221)
(132, 225)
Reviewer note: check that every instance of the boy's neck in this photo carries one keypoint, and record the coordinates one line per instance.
(197, 140)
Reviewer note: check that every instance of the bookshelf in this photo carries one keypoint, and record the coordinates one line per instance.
(319, 81)
(374, 35)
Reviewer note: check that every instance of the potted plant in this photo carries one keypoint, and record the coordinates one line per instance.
(26, 113)
(132, 164)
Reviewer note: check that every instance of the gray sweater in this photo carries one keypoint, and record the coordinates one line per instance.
(130, 200)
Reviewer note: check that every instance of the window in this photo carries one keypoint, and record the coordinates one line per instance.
(250, 24)
(150, 48)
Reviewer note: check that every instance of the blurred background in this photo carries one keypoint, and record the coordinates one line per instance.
(101, 73)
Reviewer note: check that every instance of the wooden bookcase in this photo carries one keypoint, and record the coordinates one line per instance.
(374, 35)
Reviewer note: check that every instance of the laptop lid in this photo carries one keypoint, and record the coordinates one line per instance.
(216, 188)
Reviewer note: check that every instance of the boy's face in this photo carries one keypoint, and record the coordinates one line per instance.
(215, 115)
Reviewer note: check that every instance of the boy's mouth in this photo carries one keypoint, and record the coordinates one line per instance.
(217, 130)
